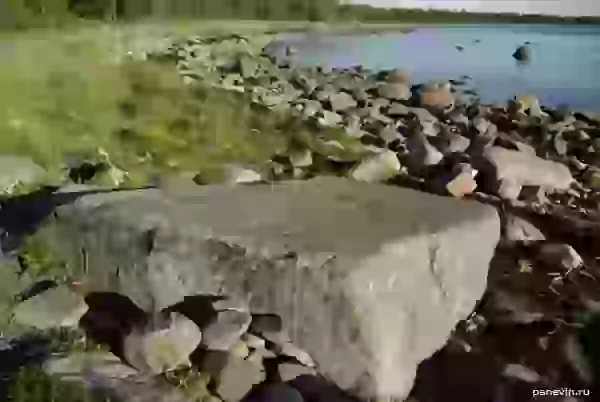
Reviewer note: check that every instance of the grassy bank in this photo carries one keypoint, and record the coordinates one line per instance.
(65, 92)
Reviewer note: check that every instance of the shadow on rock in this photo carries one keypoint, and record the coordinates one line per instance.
(471, 377)
(22, 215)
(110, 317)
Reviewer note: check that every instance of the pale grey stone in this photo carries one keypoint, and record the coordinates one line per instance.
(422, 152)
(15, 170)
(394, 91)
(390, 271)
(527, 170)
(235, 174)
(518, 229)
(398, 109)
(163, 344)
(326, 118)
(100, 375)
(521, 372)
(301, 158)
(56, 307)
(379, 167)
(341, 101)
(238, 377)
(289, 371)
(226, 330)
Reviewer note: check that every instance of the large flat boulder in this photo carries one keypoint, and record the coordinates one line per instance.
(369, 279)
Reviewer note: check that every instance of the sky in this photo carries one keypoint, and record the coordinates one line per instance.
(557, 7)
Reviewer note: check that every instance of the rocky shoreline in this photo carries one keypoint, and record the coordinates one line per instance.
(538, 166)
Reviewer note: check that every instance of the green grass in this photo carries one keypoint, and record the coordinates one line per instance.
(69, 92)
(60, 93)
(65, 92)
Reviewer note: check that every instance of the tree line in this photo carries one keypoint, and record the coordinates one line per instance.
(366, 13)
(26, 13)
(15, 14)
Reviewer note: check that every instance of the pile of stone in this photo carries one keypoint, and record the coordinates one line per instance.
(216, 336)
(439, 132)
(358, 280)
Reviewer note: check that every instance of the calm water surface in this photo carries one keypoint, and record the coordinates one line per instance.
(565, 68)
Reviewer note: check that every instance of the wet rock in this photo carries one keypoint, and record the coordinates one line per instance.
(15, 170)
(207, 241)
(524, 169)
(379, 167)
(55, 307)
(523, 53)
(517, 229)
(557, 254)
(394, 91)
(165, 343)
(341, 101)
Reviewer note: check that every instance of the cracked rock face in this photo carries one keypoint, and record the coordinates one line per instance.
(368, 279)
